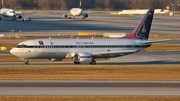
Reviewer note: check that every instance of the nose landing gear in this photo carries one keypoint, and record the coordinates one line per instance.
(26, 62)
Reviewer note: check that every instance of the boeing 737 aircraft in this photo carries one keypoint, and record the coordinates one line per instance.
(76, 12)
(87, 50)
(7, 12)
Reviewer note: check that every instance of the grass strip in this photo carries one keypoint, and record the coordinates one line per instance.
(86, 98)
(81, 72)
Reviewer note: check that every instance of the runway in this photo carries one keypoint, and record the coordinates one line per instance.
(98, 23)
(90, 88)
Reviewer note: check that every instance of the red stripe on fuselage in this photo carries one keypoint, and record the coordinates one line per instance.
(85, 57)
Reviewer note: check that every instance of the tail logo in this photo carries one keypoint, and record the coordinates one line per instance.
(144, 29)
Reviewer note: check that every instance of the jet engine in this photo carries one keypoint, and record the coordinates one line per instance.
(65, 15)
(19, 17)
(86, 15)
(82, 57)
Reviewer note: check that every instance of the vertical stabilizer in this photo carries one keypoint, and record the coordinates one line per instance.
(80, 4)
(143, 29)
(2, 4)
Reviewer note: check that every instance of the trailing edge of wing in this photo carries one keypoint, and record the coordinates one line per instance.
(155, 41)
(113, 52)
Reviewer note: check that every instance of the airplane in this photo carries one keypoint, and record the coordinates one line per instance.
(87, 50)
(10, 13)
(77, 12)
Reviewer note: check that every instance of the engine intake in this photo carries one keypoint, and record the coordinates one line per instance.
(65, 15)
(19, 17)
(82, 57)
(86, 15)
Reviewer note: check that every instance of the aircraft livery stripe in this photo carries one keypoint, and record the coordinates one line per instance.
(84, 46)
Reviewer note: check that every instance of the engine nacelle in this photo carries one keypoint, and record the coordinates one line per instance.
(4, 14)
(86, 15)
(82, 57)
(65, 15)
(19, 17)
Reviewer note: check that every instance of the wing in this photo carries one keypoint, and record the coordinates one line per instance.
(24, 13)
(90, 12)
(155, 41)
(123, 52)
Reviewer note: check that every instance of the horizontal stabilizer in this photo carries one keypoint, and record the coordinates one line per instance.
(155, 41)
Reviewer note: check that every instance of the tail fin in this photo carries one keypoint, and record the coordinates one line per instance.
(80, 4)
(2, 4)
(143, 29)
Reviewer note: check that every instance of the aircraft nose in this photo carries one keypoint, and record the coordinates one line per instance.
(12, 51)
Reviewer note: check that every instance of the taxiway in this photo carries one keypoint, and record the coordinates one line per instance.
(90, 88)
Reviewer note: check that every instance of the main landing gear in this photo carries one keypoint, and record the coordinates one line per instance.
(13, 19)
(26, 62)
(77, 62)
(93, 62)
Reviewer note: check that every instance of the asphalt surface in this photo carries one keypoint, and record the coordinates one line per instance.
(90, 88)
(50, 23)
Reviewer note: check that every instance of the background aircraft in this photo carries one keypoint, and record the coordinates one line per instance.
(77, 12)
(10, 13)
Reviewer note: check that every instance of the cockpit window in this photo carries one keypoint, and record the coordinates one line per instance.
(11, 11)
(21, 46)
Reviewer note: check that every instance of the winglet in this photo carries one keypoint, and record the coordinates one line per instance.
(143, 29)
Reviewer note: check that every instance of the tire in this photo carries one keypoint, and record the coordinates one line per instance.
(26, 62)
(93, 62)
(77, 62)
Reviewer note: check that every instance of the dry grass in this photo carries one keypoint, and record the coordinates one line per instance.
(86, 98)
(81, 72)
(10, 58)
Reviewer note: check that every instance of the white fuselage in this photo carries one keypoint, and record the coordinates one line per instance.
(66, 48)
(6, 12)
(76, 12)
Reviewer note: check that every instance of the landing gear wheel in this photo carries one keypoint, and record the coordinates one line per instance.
(77, 62)
(93, 62)
(27, 62)
(83, 17)
(13, 19)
